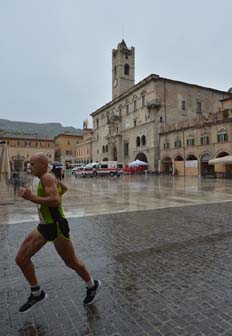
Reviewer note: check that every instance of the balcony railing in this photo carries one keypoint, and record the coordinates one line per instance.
(153, 104)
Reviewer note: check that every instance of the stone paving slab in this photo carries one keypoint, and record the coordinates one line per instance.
(164, 272)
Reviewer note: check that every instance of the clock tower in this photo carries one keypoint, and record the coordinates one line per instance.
(123, 69)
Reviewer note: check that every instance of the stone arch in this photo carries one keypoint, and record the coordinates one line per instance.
(205, 157)
(179, 157)
(141, 156)
(221, 154)
(190, 157)
(105, 159)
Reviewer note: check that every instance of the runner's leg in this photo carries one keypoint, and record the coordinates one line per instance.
(65, 249)
(32, 244)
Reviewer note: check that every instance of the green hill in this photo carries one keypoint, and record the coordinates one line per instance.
(41, 130)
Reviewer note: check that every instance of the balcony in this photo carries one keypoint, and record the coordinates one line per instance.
(153, 104)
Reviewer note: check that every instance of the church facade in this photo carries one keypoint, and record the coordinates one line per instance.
(129, 126)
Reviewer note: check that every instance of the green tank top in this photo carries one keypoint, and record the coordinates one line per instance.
(48, 215)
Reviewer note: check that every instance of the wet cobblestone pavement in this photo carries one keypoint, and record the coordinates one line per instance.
(98, 196)
(164, 272)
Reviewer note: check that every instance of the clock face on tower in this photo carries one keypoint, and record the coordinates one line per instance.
(115, 82)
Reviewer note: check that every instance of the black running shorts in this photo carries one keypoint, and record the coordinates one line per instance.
(52, 231)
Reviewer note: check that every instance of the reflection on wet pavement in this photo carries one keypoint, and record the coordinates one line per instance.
(91, 196)
(30, 329)
(161, 246)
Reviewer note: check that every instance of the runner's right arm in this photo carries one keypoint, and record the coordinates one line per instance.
(51, 200)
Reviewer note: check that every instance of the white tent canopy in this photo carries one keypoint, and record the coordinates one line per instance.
(137, 163)
(221, 160)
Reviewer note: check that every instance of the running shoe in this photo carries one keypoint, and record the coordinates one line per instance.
(32, 301)
(92, 293)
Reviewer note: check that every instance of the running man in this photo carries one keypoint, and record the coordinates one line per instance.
(53, 227)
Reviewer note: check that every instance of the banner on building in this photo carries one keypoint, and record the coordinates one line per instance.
(191, 163)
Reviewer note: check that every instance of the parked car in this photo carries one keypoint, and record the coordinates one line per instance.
(74, 169)
(89, 170)
(78, 171)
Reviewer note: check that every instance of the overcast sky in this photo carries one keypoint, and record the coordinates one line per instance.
(55, 55)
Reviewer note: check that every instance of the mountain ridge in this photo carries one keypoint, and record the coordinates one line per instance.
(38, 129)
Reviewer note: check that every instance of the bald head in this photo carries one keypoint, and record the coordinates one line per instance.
(39, 164)
(41, 157)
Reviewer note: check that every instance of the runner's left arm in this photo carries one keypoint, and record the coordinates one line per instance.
(63, 187)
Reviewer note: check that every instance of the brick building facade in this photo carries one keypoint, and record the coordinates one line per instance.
(22, 146)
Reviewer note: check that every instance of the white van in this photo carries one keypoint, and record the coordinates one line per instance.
(111, 168)
(103, 168)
